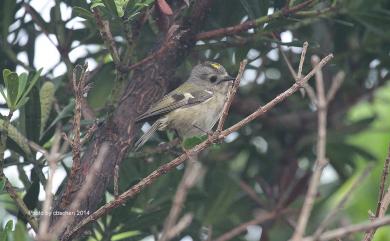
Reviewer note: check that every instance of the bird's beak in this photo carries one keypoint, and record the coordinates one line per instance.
(229, 78)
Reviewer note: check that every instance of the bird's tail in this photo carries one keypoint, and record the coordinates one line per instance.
(145, 137)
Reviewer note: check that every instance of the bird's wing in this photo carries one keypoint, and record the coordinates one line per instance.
(180, 97)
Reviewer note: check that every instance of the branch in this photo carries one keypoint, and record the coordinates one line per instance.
(309, 90)
(321, 161)
(232, 92)
(383, 199)
(152, 177)
(336, 234)
(106, 35)
(151, 78)
(80, 89)
(8, 186)
(250, 24)
(52, 159)
(336, 83)
(93, 173)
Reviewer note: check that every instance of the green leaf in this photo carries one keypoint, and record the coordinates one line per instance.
(22, 84)
(193, 141)
(20, 233)
(97, 3)
(32, 115)
(46, 95)
(31, 197)
(2, 184)
(33, 81)
(65, 113)
(4, 95)
(111, 7)
(11, 81)
(7, 17)
(7, 230)
(17, 137)
(83, 13)
(121, 6)
(248, 8)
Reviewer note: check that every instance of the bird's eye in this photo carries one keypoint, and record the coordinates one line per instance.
(213, 79)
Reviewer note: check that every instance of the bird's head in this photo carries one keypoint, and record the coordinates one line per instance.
(210, 72)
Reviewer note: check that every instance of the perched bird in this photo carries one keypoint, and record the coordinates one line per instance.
(194, 107)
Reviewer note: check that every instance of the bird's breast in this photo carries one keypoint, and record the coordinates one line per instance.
(197, 119)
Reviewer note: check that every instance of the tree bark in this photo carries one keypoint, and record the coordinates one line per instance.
(148, 83)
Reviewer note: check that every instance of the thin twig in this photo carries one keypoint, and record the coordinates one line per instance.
(251, 193)
(383, 199)
(116, 180)
(106, 35)
(336, 83)
(52, 159)
(309, 90)
(321, 161)
(231, 94)
(338, 233)
(90, 179)
(80, 89)
(152, 177)
(302, 60)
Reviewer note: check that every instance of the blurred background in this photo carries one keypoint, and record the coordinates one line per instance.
(262, 167)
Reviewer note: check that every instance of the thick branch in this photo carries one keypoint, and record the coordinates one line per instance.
(251, 23)
(148, 83)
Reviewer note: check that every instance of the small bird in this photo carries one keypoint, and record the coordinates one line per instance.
(194, 107)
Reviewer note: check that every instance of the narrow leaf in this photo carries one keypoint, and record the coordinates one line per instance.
(33, 81)
(22, 84)
(12, 84)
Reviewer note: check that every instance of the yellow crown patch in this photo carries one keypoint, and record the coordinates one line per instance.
(215, 65)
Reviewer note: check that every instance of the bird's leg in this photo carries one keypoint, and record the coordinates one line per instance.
(209, 133)
(181, 139)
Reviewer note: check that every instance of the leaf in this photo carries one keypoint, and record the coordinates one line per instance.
(33, 81)
(164, 7)
(46, 95)
(248, 8)
(2, 184)
(32, 115)
(97, 3)
(17, 137)
(20, 233)
(31, 198)
(111, 7)
(121, 7)
(82, 13)
(7, 17)
(193, 141)
(22, 84)
(4, 95)
(65, 113)
(11, 81)
(7, 230)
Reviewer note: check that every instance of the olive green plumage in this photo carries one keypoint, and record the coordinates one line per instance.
(194, 107)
